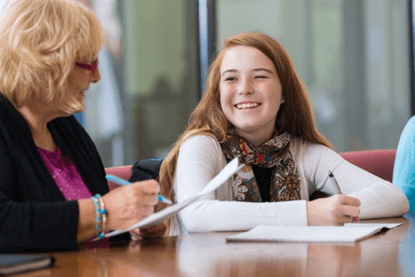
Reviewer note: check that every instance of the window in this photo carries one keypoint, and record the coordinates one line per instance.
(156, 76)
(353, 57)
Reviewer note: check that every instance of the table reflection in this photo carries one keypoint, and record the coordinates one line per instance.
(389, 253)
(208, 255)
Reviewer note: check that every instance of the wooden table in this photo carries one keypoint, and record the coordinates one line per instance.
(389, 253)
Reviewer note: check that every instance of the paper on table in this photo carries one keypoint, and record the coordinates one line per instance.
(378, 225)
(350, 232)
(157, 218)
(305, 234)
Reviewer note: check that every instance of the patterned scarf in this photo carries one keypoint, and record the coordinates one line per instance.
(285, 181)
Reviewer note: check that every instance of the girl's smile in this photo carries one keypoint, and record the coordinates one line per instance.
(247, 105)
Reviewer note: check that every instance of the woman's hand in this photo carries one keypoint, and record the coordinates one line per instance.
(129, 204)
(334, 210)
(152, 232)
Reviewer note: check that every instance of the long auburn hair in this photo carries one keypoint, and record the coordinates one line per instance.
(295, 115)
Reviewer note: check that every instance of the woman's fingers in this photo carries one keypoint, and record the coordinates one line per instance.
(148, 187)
(129, 204)
(147, 192)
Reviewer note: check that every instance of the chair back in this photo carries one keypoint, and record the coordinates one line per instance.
(123, 172)
(377, 162)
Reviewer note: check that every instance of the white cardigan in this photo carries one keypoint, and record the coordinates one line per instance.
(201, 158)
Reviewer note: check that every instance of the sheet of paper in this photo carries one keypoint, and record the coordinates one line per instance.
(157, 218)
(377, 225)
(305, 234)
(350, 232)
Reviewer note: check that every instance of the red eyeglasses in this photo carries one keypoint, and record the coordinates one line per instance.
(90, 66)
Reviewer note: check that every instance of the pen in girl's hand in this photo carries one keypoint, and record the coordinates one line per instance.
(123, 182)
(334, 183)
(338, 191)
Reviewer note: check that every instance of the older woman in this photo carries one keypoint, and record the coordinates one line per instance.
(51, 176)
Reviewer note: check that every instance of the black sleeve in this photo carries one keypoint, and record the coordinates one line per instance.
(145, 169)
(28, 226)
(29, 220)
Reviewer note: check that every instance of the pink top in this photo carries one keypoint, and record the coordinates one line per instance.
(65, 174)
(70, 182)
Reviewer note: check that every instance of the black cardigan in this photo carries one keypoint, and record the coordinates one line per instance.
(34, 214)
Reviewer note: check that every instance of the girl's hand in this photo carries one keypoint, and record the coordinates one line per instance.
(334, 210)
(152, 232)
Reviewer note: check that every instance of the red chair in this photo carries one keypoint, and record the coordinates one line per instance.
(120, 171)
(377, 162)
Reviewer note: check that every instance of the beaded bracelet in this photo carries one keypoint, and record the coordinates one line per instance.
(103, 217)
(100, 215)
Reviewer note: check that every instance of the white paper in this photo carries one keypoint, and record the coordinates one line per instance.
(157, 218)
(305, 234)
(377, 225)
(350, 232)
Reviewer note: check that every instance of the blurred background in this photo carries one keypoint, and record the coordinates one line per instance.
(354, 56)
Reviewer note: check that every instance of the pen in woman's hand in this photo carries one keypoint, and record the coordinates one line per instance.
(122, 182)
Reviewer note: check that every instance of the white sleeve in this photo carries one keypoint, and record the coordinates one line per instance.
(200, 159)
(378, 197)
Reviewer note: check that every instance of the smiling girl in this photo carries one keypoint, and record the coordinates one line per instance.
(256, 108)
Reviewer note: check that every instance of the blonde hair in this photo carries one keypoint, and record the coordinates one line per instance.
(295, 115)
(40, 42)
